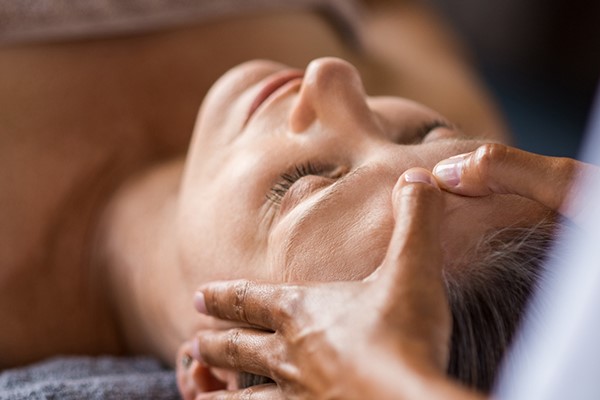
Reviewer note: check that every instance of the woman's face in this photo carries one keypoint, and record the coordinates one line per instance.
(289, 176)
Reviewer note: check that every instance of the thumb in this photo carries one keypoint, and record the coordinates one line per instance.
(410, 282)
(414, 257)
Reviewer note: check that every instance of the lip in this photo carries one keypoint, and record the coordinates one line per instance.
(270, 86)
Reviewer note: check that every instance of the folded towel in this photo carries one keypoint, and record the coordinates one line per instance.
(90, 378)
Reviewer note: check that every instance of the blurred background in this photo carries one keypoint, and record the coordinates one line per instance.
(541, 58)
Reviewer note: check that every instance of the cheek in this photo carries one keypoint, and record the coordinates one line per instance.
(337, 245)
(218, 240)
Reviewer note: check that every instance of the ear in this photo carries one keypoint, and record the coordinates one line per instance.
(199, 378)
(194, 377)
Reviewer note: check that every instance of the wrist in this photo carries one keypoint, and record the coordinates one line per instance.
(392, 377)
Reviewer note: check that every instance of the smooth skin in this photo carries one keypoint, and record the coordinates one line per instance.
(393, 342)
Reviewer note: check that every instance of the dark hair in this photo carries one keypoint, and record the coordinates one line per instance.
(487, 296)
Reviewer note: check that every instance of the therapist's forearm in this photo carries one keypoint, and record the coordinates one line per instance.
(388, 371)
(447, 390)
(428, 388)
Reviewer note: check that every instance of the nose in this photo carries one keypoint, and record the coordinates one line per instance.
(332, 92)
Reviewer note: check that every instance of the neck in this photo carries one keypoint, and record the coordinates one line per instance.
(151, 300)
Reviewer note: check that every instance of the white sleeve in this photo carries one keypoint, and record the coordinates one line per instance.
(557, 354)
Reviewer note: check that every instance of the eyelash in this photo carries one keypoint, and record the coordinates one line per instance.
(287, 179)
(428, 127)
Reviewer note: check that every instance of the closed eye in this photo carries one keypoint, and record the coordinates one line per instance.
(426, 128)
(287, 179)
(299, 171)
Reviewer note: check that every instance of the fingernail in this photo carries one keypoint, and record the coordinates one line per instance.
(449, 171)
(200, 303)
(196, 350)
(419, 175)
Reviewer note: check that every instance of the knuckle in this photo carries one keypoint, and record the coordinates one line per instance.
(487, 156)
(286, 374)
(290, 304)
(232, 347)
(247, 393)
(240, 296)
(276, 360)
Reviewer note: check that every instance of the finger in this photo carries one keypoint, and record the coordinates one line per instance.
(265, 305)
(248, 350)
(260, 392)
(496, 168)
(414, 253)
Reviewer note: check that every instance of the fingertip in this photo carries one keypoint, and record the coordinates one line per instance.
(211, 291)
(200, 302)
(448, 172)
(412, 177)
(417, 175)
(195, 350)
(414, 182)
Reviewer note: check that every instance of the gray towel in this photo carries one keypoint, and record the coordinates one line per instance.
(90, 378)
(34, 20)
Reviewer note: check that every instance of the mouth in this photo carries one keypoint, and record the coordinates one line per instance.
(271, 86)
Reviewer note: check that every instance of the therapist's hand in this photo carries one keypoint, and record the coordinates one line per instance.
(385, 337)
(496, 168)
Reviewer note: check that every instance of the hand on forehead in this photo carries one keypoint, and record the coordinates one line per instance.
(496, 168)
